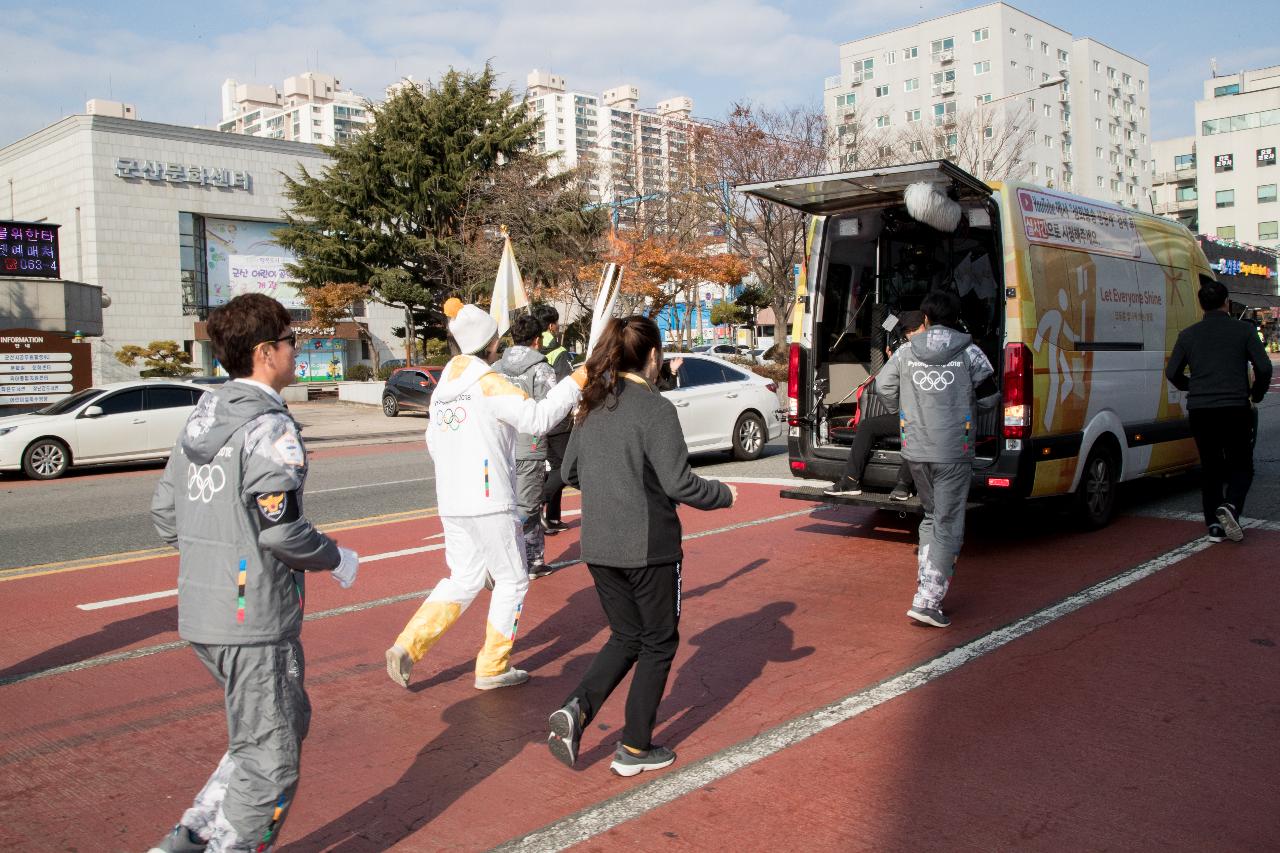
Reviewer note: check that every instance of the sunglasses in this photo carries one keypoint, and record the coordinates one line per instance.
(291, 338)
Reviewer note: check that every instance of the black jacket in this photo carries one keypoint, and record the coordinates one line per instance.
(632, 465)
(1219, 350)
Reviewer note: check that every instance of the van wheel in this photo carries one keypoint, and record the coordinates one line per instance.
(1096, 495)
(46, 459)
(748, 437)
(390, 407)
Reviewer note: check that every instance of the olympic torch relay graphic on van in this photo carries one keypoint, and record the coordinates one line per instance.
(1080, 301)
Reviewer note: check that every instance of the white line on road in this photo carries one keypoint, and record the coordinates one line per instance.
(604, 816)
(310, 492)
(132, 599)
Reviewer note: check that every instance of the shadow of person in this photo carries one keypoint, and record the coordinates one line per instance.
(730, 655)
(108, 638)
(481, 734)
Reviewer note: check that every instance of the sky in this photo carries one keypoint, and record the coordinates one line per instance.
(170, 59)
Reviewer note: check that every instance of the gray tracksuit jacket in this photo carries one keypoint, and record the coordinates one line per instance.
(528, 368)
(931, 382)
(230, 500)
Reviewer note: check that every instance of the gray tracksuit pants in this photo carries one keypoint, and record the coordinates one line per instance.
(531, 477)
(246, 800)
(943, 488)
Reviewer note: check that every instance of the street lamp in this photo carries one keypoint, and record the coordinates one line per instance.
(1047, 84)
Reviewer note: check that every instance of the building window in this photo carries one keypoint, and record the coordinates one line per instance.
(1047, 109)
(1126, 78)
(911, 53)
(939, 45)
(1044, 48)
(1098, 180)
(1267, 230)
(1048, 141)
(882, 91)
(1248, 121)
(1035, 170)
(1098, 152)
(1030, 40)
(1031, 73)
(864, 69)
(1225, 198)
(1048, 173)
(1226, 232)
(988, 132)
(1224, 163)
(1062, 56)
(882, 121)
(891, 57)
(943, 78)
(984, 98)
(913, 116)
(1222, 91)
(981, 35)
(1187, 194)
(980, 68)
(1111, 73)
(1097, 67)
(1266, 193)
(1266, 157)
(911, 85)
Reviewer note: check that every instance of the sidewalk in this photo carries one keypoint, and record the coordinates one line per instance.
(336, 424)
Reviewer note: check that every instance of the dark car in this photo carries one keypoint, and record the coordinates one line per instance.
(409, 389)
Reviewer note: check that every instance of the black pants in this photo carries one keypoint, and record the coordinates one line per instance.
(643, 607)
(1224, 438)
(870, 429)
(557, 443)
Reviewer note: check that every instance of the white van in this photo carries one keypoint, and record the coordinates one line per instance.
(1080, 302)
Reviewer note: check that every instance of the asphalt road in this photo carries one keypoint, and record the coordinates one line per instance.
(96, 512)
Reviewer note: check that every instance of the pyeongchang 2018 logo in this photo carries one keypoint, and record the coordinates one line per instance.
(204, 482)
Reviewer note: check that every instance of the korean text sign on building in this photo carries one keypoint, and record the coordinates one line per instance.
(29, 249)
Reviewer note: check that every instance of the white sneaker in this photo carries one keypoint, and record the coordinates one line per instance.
(510, 678)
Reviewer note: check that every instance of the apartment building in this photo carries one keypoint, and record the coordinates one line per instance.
(1237, 135)
(309, 107)
(964, 82)
(1174, 192)
(632, 151)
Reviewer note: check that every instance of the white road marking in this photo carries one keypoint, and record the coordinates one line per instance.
(310, 492)
(132, 599)
(595, 820)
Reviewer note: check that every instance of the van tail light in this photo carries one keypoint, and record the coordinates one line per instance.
(1015, 391)
(793, 386)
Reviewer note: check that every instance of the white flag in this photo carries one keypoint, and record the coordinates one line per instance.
(610, 284)
(508, 289)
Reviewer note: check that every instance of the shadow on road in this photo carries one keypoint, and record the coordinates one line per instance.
(109, 638)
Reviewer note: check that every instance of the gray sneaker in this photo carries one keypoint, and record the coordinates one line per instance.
(538, 570)
(625, 763)
(510, 678)
(845, 486)
(566, 733)
(399, 665)
(900, 493)
(1230, 524)
(179, 840)
(929, 616)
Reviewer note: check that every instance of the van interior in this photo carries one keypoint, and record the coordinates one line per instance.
(881, 262)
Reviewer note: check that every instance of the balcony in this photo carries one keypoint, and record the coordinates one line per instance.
(1165, 208)
(1179, 176)
(832, 82)
(948, 120)
(944, 56)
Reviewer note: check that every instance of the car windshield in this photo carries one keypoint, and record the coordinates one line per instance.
(68, 403)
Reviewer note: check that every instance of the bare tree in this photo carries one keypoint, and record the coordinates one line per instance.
(990, 141)
(755, 145)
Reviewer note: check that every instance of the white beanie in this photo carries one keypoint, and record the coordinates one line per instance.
(472, 328)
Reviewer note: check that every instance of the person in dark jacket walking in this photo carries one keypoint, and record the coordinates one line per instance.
(937, 382)
(231, 501)
(1219, 351)
(629, 458)
(557, 440)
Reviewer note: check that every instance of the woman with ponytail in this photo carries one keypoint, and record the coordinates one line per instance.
(628, 457)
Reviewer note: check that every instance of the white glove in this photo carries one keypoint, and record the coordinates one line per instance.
(345, 573)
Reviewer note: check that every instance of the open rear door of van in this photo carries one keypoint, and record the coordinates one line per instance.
(820, 195)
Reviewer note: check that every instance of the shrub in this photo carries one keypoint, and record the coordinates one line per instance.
(359, 373)
(385, 371)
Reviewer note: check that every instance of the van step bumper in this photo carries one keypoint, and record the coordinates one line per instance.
(874, 500)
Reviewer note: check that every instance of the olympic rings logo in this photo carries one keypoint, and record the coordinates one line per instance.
(933, 380)
(204, 482)
(452, 418)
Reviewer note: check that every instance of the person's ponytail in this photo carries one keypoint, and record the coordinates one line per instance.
(624, 346)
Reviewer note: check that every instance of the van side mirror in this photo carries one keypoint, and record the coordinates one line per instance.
(93, 412)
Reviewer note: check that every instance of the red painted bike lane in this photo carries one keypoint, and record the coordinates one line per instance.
(780, 618)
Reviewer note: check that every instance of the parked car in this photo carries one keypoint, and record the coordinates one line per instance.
(724, 350)
(409, 389)
(118, 422)
(722, 407)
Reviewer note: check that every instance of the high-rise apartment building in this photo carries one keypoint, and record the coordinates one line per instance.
(310, 107)
(1237, 136)
(631, 152)
(965, 81)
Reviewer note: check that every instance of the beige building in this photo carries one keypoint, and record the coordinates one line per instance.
(1237, 137)
(1174, 192)
(1090, 134)
(310, 107)
(632, 151)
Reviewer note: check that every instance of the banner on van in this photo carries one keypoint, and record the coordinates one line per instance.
(1069, 223)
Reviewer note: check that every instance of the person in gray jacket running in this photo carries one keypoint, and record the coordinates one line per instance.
(937, 382)
(231, 501)
(525, 365)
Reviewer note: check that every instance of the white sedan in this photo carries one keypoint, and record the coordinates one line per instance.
(117, 422)
(723, 407)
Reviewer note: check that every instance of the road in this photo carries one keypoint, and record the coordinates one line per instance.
(1113, 690)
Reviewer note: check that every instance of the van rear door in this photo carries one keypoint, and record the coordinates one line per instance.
(820, 195)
